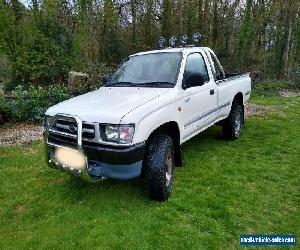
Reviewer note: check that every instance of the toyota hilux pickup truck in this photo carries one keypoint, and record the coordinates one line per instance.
(136, 123)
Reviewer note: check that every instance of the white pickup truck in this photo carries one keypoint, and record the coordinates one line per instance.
(134, 124)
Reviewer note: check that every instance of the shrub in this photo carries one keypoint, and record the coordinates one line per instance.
(5, 109)
(30, 105)
(94, 81)
(95, 73)
(272, 88)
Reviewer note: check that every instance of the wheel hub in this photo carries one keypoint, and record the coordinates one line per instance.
(169, 168)
(237, 124)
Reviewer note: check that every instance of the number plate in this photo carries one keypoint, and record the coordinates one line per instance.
(70, 158)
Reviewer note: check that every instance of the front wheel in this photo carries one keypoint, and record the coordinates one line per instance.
(232, 126)
(159, 167)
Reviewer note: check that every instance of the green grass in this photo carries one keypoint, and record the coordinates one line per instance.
(224, 189)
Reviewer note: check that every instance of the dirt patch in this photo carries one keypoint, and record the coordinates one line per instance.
(288, 93)
(19, 209)
(256, 110)
(20, 134)
(260, 110)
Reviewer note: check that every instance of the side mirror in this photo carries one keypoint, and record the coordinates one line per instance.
(193, 80)
(105, 79)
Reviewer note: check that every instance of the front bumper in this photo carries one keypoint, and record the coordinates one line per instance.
(101, 161)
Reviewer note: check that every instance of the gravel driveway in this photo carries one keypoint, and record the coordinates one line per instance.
(20, 134)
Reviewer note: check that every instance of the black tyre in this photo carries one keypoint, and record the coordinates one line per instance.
(232, 126)
(159, 167)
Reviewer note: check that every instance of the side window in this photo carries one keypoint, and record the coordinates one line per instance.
(218, 74)
(195, 65)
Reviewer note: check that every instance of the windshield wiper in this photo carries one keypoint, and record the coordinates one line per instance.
(118, 83)
(162, 83)
(156, 84)
(148, 84)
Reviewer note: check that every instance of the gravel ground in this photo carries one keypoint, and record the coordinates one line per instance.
(257, 110)
(287, 93)
(20, 134)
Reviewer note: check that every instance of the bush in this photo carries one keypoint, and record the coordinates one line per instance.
(272, 88)
(94, 80)
(95, 73)
(30, 105)
(5, 109)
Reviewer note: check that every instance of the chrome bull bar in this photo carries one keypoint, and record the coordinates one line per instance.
(53, 163)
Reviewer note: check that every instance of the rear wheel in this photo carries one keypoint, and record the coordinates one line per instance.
(159, 167)
(232, 126)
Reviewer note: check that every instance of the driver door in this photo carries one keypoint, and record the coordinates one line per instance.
(200, 99)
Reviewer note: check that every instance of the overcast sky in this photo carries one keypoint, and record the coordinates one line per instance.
(26, 2)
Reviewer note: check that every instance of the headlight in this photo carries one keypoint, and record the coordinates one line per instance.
(48, 121)
(111, 133)
(121, 134)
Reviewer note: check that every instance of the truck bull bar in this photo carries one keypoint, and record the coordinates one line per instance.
(53, 163)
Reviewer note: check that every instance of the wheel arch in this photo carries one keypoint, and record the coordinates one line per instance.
(171, 128)
(239, 99)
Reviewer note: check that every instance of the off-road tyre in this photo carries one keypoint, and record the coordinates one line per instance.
(159, 167)
(232, 125)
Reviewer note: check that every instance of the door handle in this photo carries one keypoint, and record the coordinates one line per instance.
(212, 92)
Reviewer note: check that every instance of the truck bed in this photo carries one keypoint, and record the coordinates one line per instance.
(230, 75)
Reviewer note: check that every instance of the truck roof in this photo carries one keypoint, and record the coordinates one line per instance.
(182, 49)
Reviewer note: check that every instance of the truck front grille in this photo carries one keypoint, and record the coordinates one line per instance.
(64, 132)
(62, 140)
(69, 126)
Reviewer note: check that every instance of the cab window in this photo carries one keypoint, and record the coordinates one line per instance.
(195, 65)
(218, 73)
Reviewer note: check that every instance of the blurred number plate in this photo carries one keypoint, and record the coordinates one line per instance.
(70, 158)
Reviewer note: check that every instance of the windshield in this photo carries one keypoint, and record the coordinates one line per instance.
(159, 70)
